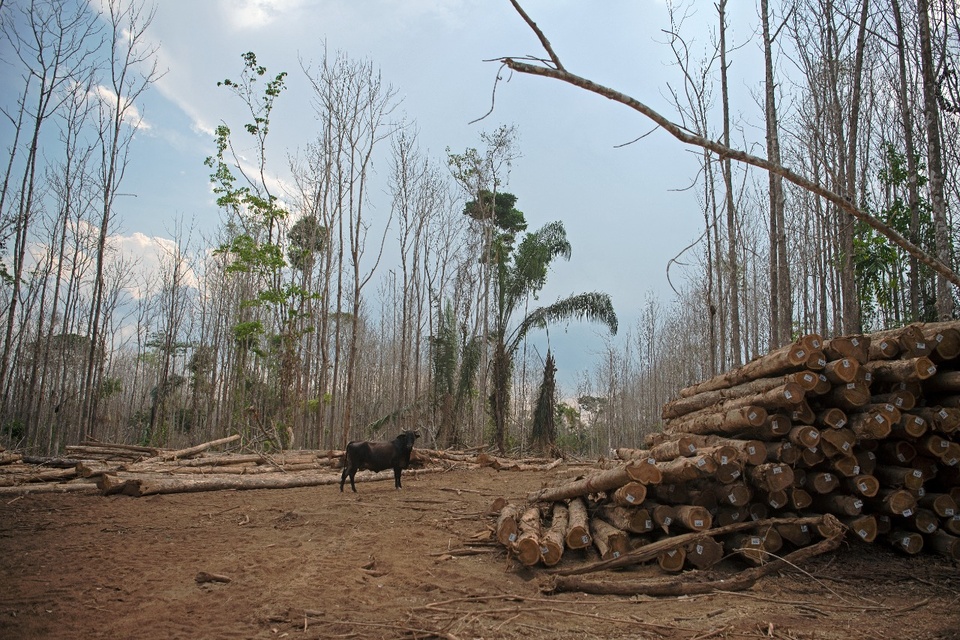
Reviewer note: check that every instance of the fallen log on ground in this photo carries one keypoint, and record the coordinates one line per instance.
(684, 587)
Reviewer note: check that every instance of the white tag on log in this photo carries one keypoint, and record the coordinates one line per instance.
(513, 537)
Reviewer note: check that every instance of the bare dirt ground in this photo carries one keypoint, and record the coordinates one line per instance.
(315, 563)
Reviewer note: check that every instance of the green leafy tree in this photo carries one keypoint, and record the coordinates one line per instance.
(881, 270)
(456, 361)
(255, 248)
(520, 273)
(543, 434)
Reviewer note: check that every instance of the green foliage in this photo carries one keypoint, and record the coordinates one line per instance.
(307, 238)
(455, 365)
(881, 268)
(110, 386)
(247, 334)
(520, 274)
(543, 433)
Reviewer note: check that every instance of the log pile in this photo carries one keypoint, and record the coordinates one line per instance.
(863, 431)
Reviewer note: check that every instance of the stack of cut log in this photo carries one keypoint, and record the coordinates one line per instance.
(863, 428)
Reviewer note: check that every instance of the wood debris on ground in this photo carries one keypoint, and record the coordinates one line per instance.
(110, 468)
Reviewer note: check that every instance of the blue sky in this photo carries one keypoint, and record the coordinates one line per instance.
(625, 209)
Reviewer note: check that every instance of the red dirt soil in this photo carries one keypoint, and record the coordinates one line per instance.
(317, 563)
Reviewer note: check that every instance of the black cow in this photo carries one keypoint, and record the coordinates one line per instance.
(377, 456)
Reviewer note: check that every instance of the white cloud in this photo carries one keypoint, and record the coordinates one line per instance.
(149, 257)
(129, 113)
(254, 14)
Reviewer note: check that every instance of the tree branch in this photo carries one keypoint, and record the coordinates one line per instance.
(543, 39)
(723, 151)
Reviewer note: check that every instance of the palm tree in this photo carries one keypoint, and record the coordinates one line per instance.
(520, 274)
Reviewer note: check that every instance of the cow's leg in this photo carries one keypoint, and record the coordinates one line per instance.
(353, 486)
(343, 477)
(396, 477)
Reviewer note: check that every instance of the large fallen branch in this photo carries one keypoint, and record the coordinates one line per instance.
(652, 550)
(558, 72)
(150, 484)
(685, 587)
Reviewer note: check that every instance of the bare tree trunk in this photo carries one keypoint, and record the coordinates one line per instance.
(910, 145)
(118, 121)
(852, 321)
(733, 296)
(781, 297)
(931, 113)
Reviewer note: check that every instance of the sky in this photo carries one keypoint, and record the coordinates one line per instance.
(627, 209)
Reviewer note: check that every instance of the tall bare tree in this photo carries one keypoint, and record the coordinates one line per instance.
(931, 115)
(54, 42)
(781, 295)
(130, 69)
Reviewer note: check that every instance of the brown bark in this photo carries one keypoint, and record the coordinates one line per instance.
(50, 487)
(527, 546)
(578, 531)
(192, 451)
(634, 520)
(731, 422)
(704, 553)
(552, 543)
(747, 451)
(787, 359)
(831, 418)
(909, 369)
(865, 526)
(507, 529)
(739, 582)
(694, 518)
(909, 542)
(857, 348)
(602, 481)
(942, 504)
(682, 470)
(672, 560)
(687, 404)
(783, 396)
(758, 547)
(142, 484)
(945, 544)
(865, 485)
(771, 476)
(631, 494)
(610, 541)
